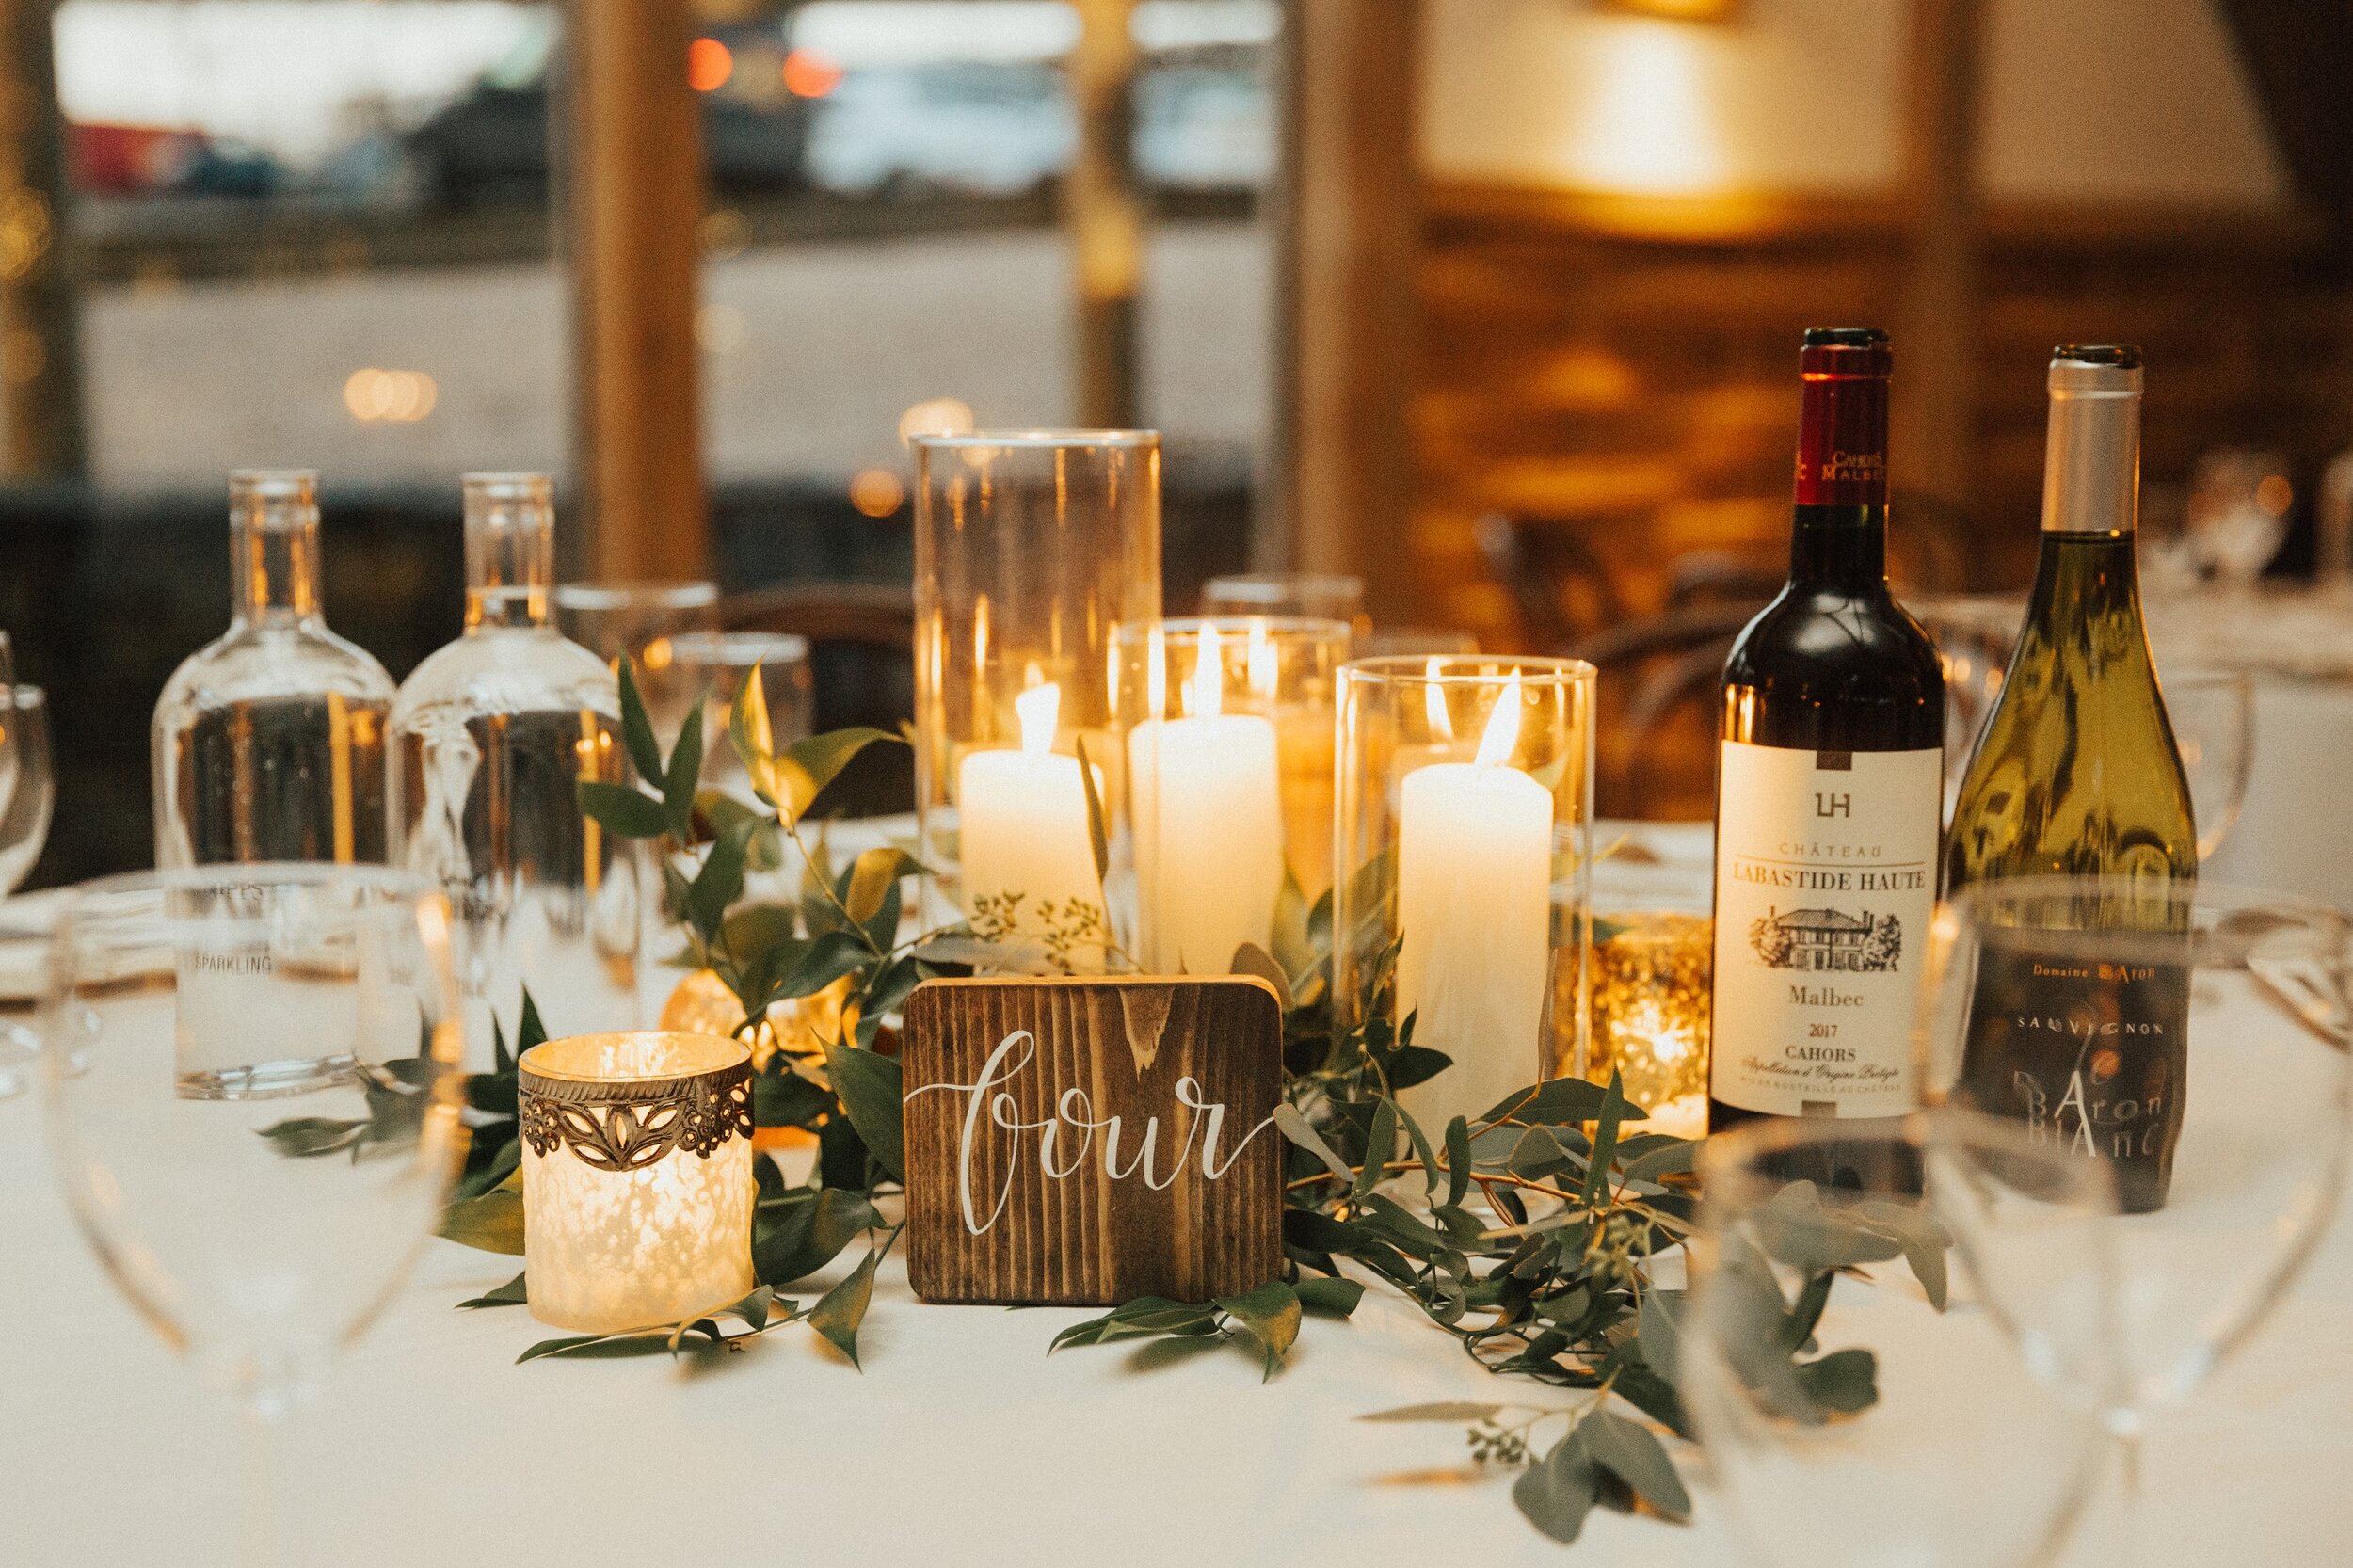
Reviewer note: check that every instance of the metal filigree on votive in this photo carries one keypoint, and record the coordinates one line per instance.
(637, 1178)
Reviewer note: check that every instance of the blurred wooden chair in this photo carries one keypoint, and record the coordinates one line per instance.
(861, 651)
(1559, 590)
(1655, 744)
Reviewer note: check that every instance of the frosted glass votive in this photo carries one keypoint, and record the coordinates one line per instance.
(637, 1178)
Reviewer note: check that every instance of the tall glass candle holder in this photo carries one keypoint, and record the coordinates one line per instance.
(637, 1178)
(1463, 857)
(1032, 549)
(1226, 727)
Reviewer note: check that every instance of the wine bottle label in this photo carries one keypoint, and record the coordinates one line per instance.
(2093, 1057)
(1825, 882)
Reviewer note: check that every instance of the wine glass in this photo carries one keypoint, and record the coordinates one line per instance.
(250, 1076)
(1897, 1340)
(8, 731)
(2238, 513)
(2191, 1039)
(23, 828)
(2214, 728)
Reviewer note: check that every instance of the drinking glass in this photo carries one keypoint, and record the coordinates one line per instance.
(2214, 728)
(716, 663)
(24, 811)
(2238, 513)
(23, 828)
(8, 736)
(2190, 1039)
(640, 621)
(1969, 1259)
(1308, 595)
(251, 1078)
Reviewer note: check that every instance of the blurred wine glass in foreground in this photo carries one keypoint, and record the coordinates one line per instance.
(2191, 1040)
(1969, 1259)
(250, 1079)
(2238, 513)
(2213, 713)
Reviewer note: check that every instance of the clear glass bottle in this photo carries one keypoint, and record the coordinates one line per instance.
(268, 744)
(490, 735)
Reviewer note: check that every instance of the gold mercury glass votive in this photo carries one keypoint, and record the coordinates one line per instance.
(1651, 1015)
(637, 1178)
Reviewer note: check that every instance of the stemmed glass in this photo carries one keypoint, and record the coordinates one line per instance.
(23, 828)
(2191, 1039)
(1897, 1340)
(8, 731)
(2214, 728)
(250, 1076)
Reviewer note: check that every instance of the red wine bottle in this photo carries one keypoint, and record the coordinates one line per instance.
(1828, 787)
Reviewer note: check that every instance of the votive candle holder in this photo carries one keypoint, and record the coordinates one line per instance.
(637, 1178)
(1652, 1015)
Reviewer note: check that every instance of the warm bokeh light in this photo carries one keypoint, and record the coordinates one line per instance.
(936, 416)
(810, 74)
(389, 396)
(877, 492)
(708, 64)
(719, 328)
(2274, 494)
(1650, 126)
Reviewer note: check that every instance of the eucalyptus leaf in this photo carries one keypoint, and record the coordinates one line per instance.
(840, 1310)
(1452, 1412)
(1630, 1451)
(872, 1093)
(636, 729)
(622, 809)
(1269, 1313)
(513, 1293)
(1557, 1492)
(1329, 1296)
(804, 768)
(685, 771)
(1296, 1128)
(492, 1223)
(1097, 839)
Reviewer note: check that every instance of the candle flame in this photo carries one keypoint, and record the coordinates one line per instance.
(1433, 703)
(1502, 734)
(1205, 694)
(1040, 709)
(1263, 676)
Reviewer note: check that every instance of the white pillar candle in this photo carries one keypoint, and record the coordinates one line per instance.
(1475, 911)
(1208, 827)
(1028, 858)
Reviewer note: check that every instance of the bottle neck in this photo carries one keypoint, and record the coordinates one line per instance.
(2092, 461)
(274, 571)
(1840, 549)
(511, 561)
(1838, 534)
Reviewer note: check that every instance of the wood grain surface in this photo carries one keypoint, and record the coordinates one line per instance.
(1092, 1076)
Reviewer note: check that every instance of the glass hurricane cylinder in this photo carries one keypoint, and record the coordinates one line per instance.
(1032, 549)
(1464, 867)
(1225, 729)
(637, 1178)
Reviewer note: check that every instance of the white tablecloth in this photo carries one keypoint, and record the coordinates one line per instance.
(961, 1442)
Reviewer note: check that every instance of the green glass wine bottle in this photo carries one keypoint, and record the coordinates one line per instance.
(2076, 775)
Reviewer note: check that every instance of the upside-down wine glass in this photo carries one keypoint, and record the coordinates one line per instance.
(7, 734)
(2193, 1041)
(250, 1075)
(1944, 1283)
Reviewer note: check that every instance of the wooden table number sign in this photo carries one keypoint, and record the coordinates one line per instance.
(1089, 1140)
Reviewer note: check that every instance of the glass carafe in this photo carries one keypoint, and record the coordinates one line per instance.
(490, 737)
(268, 744)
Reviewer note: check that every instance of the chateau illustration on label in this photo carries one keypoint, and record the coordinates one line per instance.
(1827, 940)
